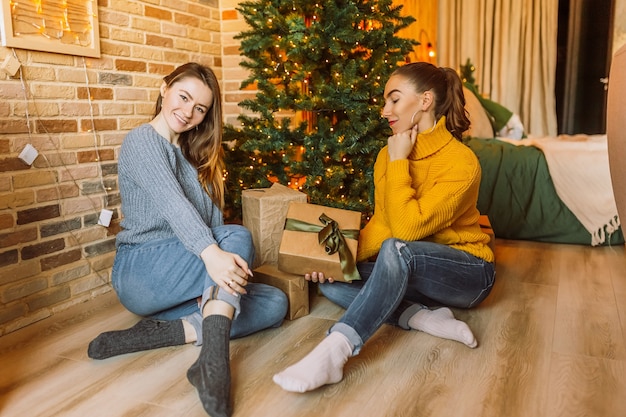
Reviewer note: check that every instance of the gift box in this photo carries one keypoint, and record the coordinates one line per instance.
(264, 211)
(320, 239)
(294, 286)
(485, 226)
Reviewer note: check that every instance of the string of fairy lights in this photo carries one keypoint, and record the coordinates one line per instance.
(284, 72)
(69, 21)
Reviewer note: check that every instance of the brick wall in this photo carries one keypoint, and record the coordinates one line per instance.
(53, 254)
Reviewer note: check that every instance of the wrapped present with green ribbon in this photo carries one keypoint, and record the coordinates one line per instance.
(320, 239)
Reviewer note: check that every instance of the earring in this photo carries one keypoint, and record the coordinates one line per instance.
(412, 117)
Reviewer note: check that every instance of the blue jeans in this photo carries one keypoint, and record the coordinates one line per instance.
(163, 280)
(406, 277)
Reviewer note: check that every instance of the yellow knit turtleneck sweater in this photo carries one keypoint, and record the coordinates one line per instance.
(430, 196)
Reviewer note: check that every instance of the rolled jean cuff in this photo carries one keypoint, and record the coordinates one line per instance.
(216, 293)
(195, 319)
(403, 321)
(353, 337)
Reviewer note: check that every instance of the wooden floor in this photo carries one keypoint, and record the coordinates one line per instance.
(551, 343)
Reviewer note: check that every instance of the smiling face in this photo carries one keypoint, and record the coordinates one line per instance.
(185, 104)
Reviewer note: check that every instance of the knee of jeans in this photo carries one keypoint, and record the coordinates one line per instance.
(279, 304)
(391, 247)
(244, 235)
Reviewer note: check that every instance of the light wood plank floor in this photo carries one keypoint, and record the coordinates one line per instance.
(552, 342)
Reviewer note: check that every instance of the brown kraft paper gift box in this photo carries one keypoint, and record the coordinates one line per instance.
(294, 286)
(264, 211)
(301, 252)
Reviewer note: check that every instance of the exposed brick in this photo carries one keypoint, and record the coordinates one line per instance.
(95, 156)
(113, 49)
(13, 164)
(17, 237)
(69, 274)
(78, 108)
(9, 257)
(44, 248)
(100, 248)
(11, 91)
(80, 205)
(48, 298)
(78, 141)
(38, 214)
(57, 159)
(23, 289)
(13, 126)
(115, 78)
(18, 198)
(134, 94)
(98, 124)
(96, 93)
(55, 193)
(34, 178)
(94, 187)
(103, 263)
(51, 229)
(229, 14)
(5, 146)
(19, 271)
(79, 172)
(154, 40)
(186, 20)
(130, 65)
(160, 14)
(9, 313)
(109, 169)
(114, 199)
(53, 91)
(87, 284)
(90, 219)
(6, 221)
(56, 126)
(61, 259)
(105, 15)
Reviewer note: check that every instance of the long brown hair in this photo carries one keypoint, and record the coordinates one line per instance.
(447, 88)
(202, 145)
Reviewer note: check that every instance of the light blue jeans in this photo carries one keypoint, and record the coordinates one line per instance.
(406, 277)
(163, 280)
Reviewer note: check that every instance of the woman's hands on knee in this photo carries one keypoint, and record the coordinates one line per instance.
(318, 277)
(228, 270)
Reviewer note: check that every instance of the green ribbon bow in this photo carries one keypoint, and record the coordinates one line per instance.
(333, 240)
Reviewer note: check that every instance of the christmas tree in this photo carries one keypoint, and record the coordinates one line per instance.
(319, 68)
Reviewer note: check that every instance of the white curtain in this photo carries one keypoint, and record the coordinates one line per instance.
(512, 44)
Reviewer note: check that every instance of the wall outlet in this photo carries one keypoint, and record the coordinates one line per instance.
(28, 154)
(10, 65)
(105, 217)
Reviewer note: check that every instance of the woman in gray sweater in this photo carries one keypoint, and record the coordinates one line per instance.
(177, 264)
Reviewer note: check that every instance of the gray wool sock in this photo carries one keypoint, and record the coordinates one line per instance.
(145, 335)
(210, 374)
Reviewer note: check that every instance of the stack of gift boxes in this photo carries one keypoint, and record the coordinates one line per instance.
(292, 237)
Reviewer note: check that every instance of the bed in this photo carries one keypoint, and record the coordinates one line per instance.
(520, 196)
(547, 189)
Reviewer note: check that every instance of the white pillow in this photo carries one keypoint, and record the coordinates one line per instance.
(480, 126)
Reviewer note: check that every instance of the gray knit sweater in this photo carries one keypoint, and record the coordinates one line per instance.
(161, 195)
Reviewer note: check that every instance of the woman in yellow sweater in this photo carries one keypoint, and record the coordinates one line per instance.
(423, 247)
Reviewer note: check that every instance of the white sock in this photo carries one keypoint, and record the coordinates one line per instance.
(323, 365)
(441, 323)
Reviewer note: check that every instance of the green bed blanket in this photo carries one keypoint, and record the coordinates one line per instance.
(518, 196)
